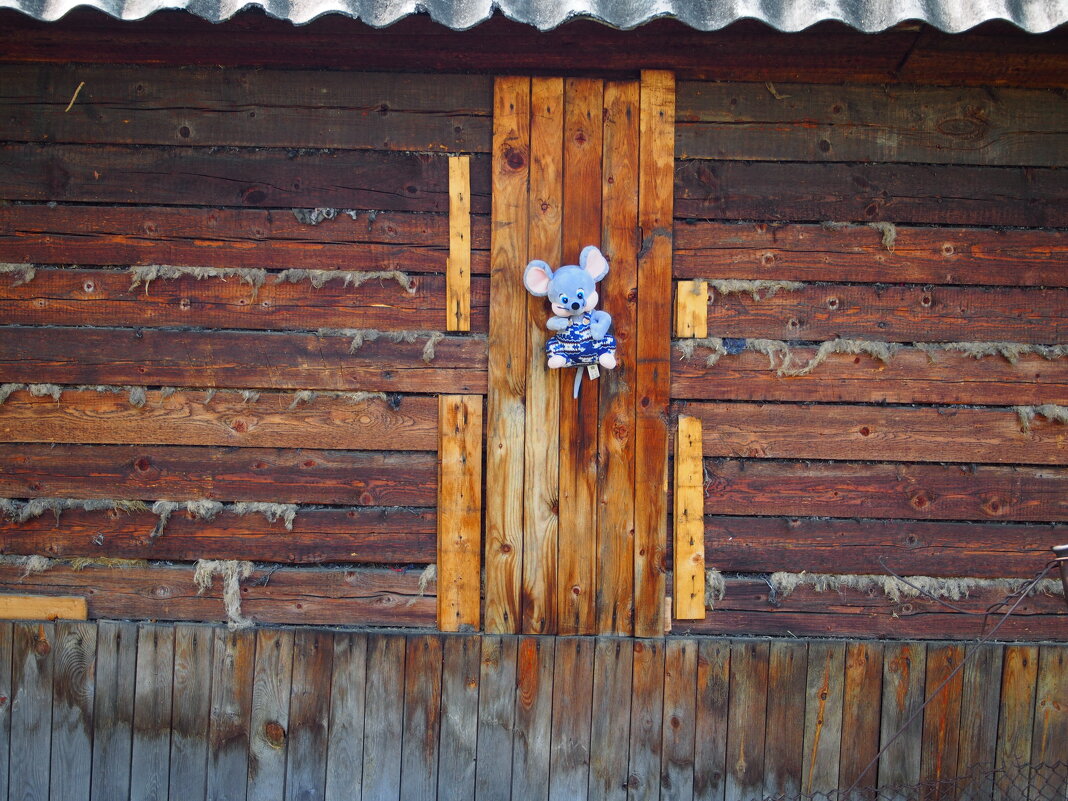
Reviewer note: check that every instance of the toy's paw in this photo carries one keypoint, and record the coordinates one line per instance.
(608, 360)
(559, 361)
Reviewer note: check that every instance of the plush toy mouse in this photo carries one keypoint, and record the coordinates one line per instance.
(583, 337)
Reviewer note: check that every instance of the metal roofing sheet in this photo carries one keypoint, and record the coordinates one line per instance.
(952, 16)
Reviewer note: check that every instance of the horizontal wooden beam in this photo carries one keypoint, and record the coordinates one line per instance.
(42, 607)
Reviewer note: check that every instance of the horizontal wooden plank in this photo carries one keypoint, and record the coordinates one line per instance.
(304, 596)
(916, 255)
(911, 376)
(42, 607)
(187, 418)
(272, 475)
(929, 125)
(896, 313)
(374, 535)
(832, 431)
(269, 178)
(227, 237)
(898, 193)
(250, 108)
(105, 297)
(857, 489)
(856, 546)
(239, 359)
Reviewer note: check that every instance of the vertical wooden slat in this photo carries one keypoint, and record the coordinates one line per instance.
(689, 521)
(31, 709)
(150, 760)
(784, 739)
(533, 718)
(309, 715)
(383, 717)
(72, 711)
(615, 479)
(610, 726)
(941, 717)
(679, 722)
(233, 662)
(422, 721)
(713, 690)
(576, 585)
(268, 741)
(653, 334)
(496, 718)
(646, 719)
(980, 699)
(458, 268)
(344, 761)
(1016, 720)
(507, 354)
(459, 718)
(1050, 738)
(904, 669)
(542, 490)
(691, 309)
(572, 699)
(116, 664)
(861, 718)
(459, 511)
(190, 712)
(5, 704)
(746, 719)
(823, 717)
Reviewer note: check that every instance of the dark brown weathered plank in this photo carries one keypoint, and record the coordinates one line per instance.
(191, 712)
(646, 720)
(572, 700)
(422, 717)
(5, 706)
(383, 717)
(233, 665)
(152, 720)
(785, 726)
(459, 718)
(746, 720)
(941, 717)
(610, 724)
(710, 741)
(309, 715)
(978, 710)
(679, 719)
(228, 177)
(824, 730)
(74, 685)
(32, 668)
(898, 193)
(269, 723)
(1015, 720)
(861, 703)
(1051, 723)
(116, 665)
(532, 731)
(496, 718)
(903, 693)
(344, 762)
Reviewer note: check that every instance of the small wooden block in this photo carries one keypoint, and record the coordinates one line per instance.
(689, 522)
(458, 270)
(43, 607)
(691, 309)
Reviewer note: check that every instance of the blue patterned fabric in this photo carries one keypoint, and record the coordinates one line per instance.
(576, 344)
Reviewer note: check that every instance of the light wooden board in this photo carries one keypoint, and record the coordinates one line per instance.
(191, 711)
(688, 520)
(42, 607)
(269, 726)
(824, 697)
(1016, 719)
(691, 309)
(458, 272)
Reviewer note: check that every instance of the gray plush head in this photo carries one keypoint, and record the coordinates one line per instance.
(571, 289)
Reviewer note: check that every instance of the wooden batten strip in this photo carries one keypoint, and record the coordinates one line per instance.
(505, 428)
(43, 607)
(459, 511)
(458, 273)
(689, 522)
(691, 309)
(655, 207)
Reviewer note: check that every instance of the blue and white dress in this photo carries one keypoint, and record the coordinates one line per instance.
(576, 343)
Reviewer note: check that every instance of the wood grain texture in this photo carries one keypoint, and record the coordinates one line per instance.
(73, 694)
(861, 702)
(458, 271)
(646, 719)
(116, 665)
(32, 671)
(679, 720)
(534, 704)
(571, 727)
(383, 717)
(269, 724)
(941, 717)
(422, 718)
(459, 717)
(496, 717)
(5, 706)
(825, 732)
(688, 521)
(1051, 722)
(746, 719)
(785, 726)
(904, 669)
(190, 711)
(152, 720)
(36, 607)
(977, 740)
(344, 761)
(233, 666)
(1016, 718)
(506, 413)
(309, 715)
(691, 309)
(613, 664)
(710, 737)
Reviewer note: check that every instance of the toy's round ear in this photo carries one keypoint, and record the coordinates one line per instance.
(536, 278)
(593, 262)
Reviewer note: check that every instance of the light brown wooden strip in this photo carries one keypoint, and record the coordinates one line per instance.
(653, 334)
(459, 511)
(507, 356)
(458, 272)
(42, 607)
(691, 309)
(688, 519)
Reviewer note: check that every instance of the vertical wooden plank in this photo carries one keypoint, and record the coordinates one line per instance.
(116, 665)
(31, 710)
(74, 669)
(653, 335)
(572, 700)
(610, 726)
(459, 511)
(5, 705)
(1050, 737)
(458, 267)
(191, 712)
(309, 715)
(691, 309)
(646, 720)
(861, 716)
(153, 685)
(746, 719)
(784, 741)
(344, 761)
(496, 717)
(615, 476)
(941, 717)
(904, 668)
(383, 717)
(533, 718)
(980, 697)
(232, 667)
(576, 586)
(679, 723)
(507, 354)
(542, 490)
(689, 521)
(713, 690)
(459, 718)
(269, 721)
(1015, 721)
(422, 718)
(823, 717)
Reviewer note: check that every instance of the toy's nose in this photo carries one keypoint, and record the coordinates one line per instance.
(575, 305)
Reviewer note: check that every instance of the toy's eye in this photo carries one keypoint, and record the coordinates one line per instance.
(563, 300)
(580, 295)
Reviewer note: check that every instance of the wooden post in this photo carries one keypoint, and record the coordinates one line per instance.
(458, 269)
(689, 522)
(459, 510)
(691, 309)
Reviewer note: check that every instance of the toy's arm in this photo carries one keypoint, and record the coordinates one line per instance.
(600, 322)
(558, 323)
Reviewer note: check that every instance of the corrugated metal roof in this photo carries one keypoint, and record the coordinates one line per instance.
(952, 16)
